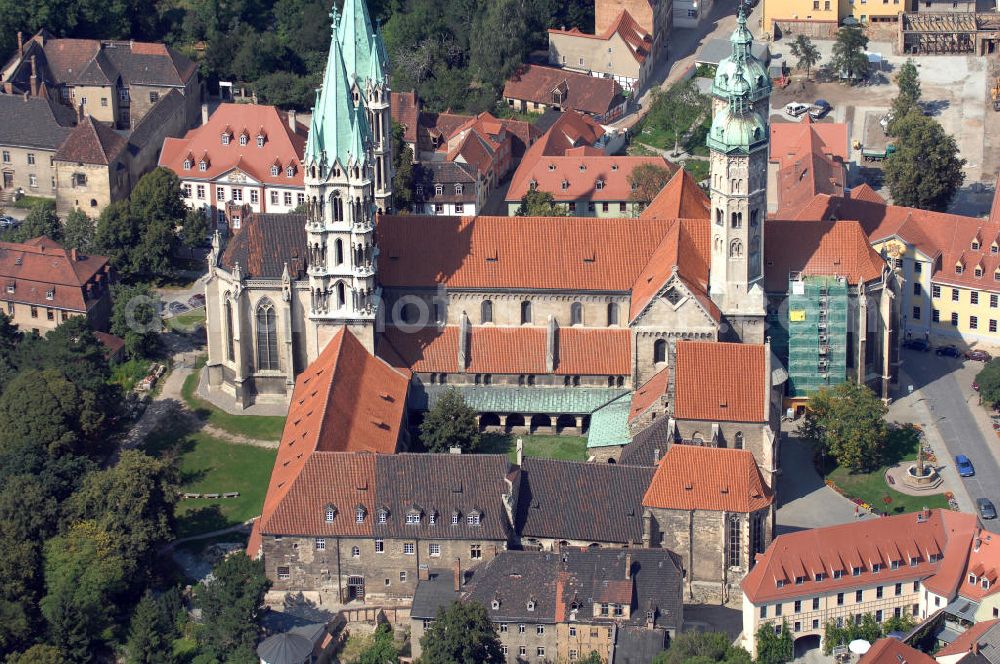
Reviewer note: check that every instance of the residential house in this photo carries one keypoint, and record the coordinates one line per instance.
(448, 188)
(45, 285)
(890, 650)
(623, 51)
(821, 18)
(244, 158)
(908, 564)
(534, 89)
(33, 130)
(562, 606)
(115, 82)
(806, 159)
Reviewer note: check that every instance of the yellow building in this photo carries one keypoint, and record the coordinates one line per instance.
(821, 18)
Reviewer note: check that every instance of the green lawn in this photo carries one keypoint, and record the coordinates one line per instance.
(128, 374)
(208, 465)
(566, 448)
(636, 149)
(188, 321)
(261, 427)
(872, 488)
(28, 202)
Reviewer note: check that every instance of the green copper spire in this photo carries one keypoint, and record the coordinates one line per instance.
(339, 131)
(753, 70)
(364, 54)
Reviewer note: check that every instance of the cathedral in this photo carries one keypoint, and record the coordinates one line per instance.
(540, 321)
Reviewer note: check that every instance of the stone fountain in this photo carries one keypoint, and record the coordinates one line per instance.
(920, 476)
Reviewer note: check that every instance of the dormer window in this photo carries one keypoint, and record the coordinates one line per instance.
(290, 171)
(565, 185)
(455, 517)
(50, 294)
(243, 139)
(260, 141)
(821, 576)
(359, 514)
(975, 245)
(856, 571)
(10, 287)
(225, 138)
(876, 568)
(914, 560)
(420, 190)
(995, 248)
(275, 171)
(328, 513)
(187, 164)
(985, 584)
(614, 167)
(978, 271)
(531, 605)
(438, 190)
(838, 573)
(413, 518)
(779, 583)
(473, 518)
(600, 185)
(383, 515)
(959, 268)
(432, 518)
(203, 165)
(799, 580)
(552, 167)
(972, 579)
(533, 185)
(495, 605)
(459, 189)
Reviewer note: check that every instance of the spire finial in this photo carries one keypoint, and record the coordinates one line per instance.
(334, 18)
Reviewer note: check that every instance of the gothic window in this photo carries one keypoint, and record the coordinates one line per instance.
(612, 313)
(486, 312)
(733, 555)
(576, 314)
(341, 295)
(337, 204)
(267, 337)
(230, 344)
(525, 312)
(736, 220)
(659, 351)
(738, 440)
(757, 534)
(718, 217)
(735, 249)
(338, 251)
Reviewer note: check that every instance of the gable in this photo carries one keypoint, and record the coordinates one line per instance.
(675, 306)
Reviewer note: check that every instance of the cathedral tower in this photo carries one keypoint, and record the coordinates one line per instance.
(340, 195)
(367, 63)
(738, 141)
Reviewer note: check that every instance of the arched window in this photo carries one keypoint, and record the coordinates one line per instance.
(338, 251)
(718, 217)
(659, 351)
(230, 342)
(738, 440)
(735, 249)
(737, 220)
(355, 552)
(525, 312)
(337, 203)
(612, 313)
(576, 314)
(486, 312)
(267, 337)
(341, 294)
(735, 541)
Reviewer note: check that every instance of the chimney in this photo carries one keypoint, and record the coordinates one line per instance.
(423, 574)
(551, 346)
(457, 571)
(20, 43)
(628, 566)
(33, 84)
(292, 121)
(204, 114)
(79, 112)
(73, 255)
(975, 647)
(656, 456)
(463, 342)
(520, 452)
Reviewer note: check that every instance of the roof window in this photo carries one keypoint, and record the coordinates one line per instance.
(329, 512)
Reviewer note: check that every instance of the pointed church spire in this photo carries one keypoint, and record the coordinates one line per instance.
(364, 50)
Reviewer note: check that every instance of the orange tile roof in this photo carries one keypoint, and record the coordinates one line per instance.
(571, 130)
(721, 382)
(573, 177)
(720, 479)
(405, 112)
(40, 265)
(649, 393)
(984, 565)
(681, 198)
(860, 544)
(810, 160)
(582, 92)
(512, 350)
(791, 139)
(281, 146)
(580, 253)
(864, 192)
(995, 209)
(967, 639)
(889, 650)
(818, 248)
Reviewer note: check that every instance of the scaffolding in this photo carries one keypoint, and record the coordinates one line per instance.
(949, 33)
(817, 332)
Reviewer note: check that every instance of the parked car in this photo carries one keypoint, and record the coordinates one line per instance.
(177, 308)
(964, 466)
(795, 109)
(947, 351)
(917, 344)
(978, 356)
(196, 301)
(975, 385)
(819, 109)
(985, 508)
(7, 221)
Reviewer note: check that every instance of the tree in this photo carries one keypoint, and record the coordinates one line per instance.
(703, 648)
(499, 47)
(593, 658)
(805, 53)
(41, 220)
(38, 654)
(116, 236)
(151, 633)
(382, 649)
(135, 317)
(646, 181)
(677, 112)
(157, 195)
(537, 203)
(195, 228)
(774, 648)
(451, 422)
(404, 176)
(925, 172)
(988, 380)
(462, 633)
(847, 423)
(908, 81)
(78, 231)
(849, 58)
(230, 603)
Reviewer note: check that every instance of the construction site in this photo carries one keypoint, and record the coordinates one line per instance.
(958, 33)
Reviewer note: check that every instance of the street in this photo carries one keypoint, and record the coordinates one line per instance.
(943, 399)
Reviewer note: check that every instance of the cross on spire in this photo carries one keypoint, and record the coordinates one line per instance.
(334, 18)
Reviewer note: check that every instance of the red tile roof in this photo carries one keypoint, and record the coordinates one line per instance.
(40, 266)
(995, 209)
(861, 544)
(639, 42)
(889, 650)
(282, 146)
(791, 139)
(983, 567)
(967, 639)
(649, 393)
(864, 192)
(570, 130)
(581, 92)
(406, 112)
(91, 143)
(818, 248)
(511, 350)
(572, 177)
(691, 477)
(580, 253)
(721, 382)
(681, 198)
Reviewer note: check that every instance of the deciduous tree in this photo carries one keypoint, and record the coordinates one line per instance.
(774, 648)
(382, 649)
(135, 317)
(805, 53)
(646, 181)
(78, 231)
(702, 648)
(231, 604)
(988, 380)
(462, 633)
(849, 58)
(926, 171)
(847, 423)
(451, 422)
(538, 203)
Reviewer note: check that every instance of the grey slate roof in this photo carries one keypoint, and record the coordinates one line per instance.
(287, 648)
(445, 484)
(447, 174)
(593, 502)
(642, 449)
(434, 593)
(265, 243)
(34, 122)
(636, 645)
(154, 120)
(513, 579)
(545, 400)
